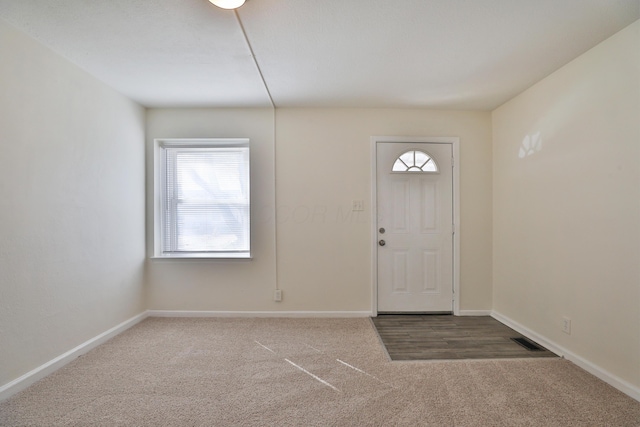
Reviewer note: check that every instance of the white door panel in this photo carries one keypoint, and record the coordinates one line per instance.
(415, 224)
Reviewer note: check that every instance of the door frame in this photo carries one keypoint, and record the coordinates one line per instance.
(455, 145)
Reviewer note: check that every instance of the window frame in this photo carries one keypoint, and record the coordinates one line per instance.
(160, 196)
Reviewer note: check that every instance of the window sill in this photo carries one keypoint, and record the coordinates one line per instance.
(223, 256)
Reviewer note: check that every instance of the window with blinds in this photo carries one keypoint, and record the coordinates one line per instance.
(205, 198)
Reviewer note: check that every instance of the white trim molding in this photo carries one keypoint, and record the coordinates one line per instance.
(53, 365)
(455, 143)
(474, 313)
(622, 385)
(21, 383)
(299, 314)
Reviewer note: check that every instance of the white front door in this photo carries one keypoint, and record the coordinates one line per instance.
(414, 226)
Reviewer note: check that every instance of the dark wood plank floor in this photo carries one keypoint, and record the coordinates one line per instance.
(438, 337)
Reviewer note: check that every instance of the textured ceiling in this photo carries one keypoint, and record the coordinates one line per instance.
(457, 54)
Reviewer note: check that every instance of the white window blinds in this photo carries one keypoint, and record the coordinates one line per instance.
(206, 203)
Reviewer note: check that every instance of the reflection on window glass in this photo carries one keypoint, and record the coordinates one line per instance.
(414, 161)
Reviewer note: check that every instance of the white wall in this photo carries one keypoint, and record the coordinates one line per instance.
(567, 217)
(71, 206)
(322, 163)
(216, 284)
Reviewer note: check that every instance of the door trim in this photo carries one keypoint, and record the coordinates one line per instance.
(455, 143)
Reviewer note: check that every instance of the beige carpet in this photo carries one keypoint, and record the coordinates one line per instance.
(303, 372)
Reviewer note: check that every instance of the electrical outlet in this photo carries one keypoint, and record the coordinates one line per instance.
(566, 325)
(357, 205)
(277, 295)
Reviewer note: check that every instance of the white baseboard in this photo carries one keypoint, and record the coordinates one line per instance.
(474, 313)
(307, 314)
(42, 371)
(21, 383)
(622, 385)
(53, 365)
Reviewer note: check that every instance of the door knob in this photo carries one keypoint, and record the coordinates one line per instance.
(382, 243)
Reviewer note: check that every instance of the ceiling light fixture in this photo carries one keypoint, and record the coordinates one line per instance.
(228, 4)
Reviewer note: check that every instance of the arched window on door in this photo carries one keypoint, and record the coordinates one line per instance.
(415, 161)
